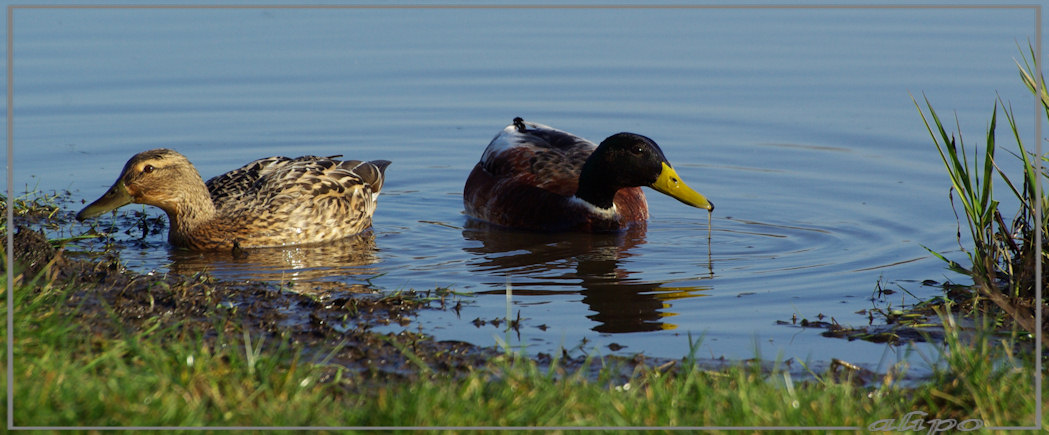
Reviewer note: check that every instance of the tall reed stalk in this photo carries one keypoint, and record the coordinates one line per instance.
(1003, 256)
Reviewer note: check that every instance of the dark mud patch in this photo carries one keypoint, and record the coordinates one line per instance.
(917, 329)
(31, 249)
(915, 323)
(921, 321)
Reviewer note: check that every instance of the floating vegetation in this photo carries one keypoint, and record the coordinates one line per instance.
(32, 207)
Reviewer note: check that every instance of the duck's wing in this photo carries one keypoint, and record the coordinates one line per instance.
(305, 200)
(533, 154)
(229, 188)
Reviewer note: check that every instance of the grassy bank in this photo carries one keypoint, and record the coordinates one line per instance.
(78, 364)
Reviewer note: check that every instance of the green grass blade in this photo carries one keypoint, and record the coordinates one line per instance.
(986, 208)
(949, 155)
(1029, 171)
(951, 264)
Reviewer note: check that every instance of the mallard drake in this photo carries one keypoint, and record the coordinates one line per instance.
(535, 177)
(274, 201)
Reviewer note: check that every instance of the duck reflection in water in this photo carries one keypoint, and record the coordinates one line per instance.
(562, 263)
(319, 267)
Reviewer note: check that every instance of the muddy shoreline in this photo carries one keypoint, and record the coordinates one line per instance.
(106, 298)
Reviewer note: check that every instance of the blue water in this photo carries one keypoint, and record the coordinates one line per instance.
(798, 124)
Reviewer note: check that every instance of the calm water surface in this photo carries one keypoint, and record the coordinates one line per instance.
(798, 124)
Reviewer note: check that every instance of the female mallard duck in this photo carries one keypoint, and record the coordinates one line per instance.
(536, 177)
(274, 201)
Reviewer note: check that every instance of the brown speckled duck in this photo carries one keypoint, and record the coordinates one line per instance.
(274, 201)
(535, 177)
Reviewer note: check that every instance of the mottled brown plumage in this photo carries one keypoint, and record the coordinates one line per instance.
(274, 201)
(535, 177)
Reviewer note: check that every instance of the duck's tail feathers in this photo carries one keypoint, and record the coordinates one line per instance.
(373, 173)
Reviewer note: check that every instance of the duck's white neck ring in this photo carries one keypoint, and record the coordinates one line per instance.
(608, 213)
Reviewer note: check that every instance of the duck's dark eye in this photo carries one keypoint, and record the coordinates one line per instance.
(147, 169)
(636, 149)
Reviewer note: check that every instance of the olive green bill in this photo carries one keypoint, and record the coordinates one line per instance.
(670, 183)
(114, 198)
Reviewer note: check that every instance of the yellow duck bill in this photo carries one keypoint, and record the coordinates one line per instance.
(670, 184)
